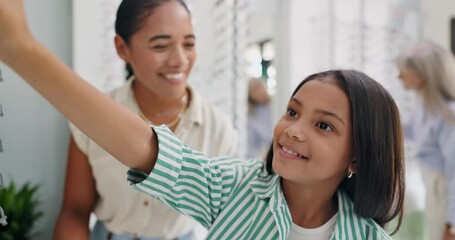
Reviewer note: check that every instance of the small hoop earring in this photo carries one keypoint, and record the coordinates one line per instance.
(350, 174)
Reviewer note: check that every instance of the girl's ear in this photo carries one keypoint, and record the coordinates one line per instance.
(352, 167)
(122, 48)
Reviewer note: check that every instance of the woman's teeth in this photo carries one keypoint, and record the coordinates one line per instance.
(174, 76)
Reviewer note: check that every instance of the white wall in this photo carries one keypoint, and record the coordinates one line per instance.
(262, 16)
(436, 18)
(33, 133)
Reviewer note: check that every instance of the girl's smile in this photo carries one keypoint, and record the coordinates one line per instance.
(288, 152)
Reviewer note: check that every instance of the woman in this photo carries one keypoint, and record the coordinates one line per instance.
(429, 70)
(259, 122)
(156, 40)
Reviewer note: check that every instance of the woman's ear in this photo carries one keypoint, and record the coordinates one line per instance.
(122, 48)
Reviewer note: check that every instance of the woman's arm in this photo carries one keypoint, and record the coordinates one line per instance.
(113, 127)
(79, 197)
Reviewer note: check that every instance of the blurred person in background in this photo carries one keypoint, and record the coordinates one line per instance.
(259, 119)
(429, 70)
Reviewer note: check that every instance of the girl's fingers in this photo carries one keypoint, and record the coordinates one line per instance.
(13, 26)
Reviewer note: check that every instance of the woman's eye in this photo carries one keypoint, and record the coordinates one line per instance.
(159, 47)
(291, 112)
(324, 126)
(189, 45)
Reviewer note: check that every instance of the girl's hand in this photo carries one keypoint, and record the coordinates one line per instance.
(13, 26)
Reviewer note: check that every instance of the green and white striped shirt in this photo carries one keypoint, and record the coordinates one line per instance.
(233, 198)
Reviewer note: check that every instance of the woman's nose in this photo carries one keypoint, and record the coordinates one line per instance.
(178, 58)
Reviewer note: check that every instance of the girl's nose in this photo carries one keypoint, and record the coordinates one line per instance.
(295, 132)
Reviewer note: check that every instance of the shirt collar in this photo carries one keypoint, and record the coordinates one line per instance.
(350, 225)
(194, 112)
(192, 115)
(265, 184)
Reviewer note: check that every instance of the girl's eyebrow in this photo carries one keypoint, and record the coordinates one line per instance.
(163, 36)
(327, 113)
(320, 111)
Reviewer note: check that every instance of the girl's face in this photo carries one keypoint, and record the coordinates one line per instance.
(162, 51)
(312, 141)
(411, 80)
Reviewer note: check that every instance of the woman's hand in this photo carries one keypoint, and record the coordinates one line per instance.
(448, 235)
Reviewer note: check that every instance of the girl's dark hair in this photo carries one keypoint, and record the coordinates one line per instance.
(131, 15)
(377, 188)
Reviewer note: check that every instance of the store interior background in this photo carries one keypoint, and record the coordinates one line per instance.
(281, 40)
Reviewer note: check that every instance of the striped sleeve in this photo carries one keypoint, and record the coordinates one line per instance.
(186, 180)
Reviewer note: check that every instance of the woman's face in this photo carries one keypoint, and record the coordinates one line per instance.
(411, 80)
(312, 141)
(257, 92)
(162, 51)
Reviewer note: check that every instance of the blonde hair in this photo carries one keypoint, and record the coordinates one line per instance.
(436, 67)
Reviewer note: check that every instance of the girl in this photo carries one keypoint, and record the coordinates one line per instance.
(429, 70)
(336, 170)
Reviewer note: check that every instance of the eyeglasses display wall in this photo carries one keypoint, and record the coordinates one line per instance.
(3, 217)
(365, 35)
(1, 113)
(94, 55)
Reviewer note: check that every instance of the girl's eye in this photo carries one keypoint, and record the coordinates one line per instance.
(291, 112)
(324, 126)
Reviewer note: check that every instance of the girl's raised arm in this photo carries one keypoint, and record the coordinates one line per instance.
(113, 127)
